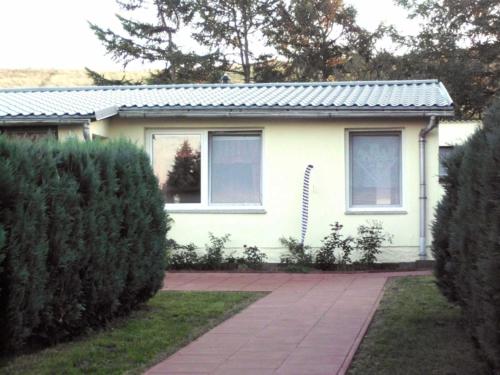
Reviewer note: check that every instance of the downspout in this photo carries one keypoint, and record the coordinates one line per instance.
(422, 252)
(86, 130)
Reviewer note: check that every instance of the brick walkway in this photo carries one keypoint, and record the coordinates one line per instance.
(309, 324)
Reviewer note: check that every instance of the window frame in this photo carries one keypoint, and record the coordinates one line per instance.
(374, 209)
(205, 206)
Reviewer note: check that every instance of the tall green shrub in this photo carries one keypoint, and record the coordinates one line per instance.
(23, 215)
(2, 252)
(85, 237)
(446, 267)
(467, 235)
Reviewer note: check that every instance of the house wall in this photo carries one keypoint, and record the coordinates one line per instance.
(453, 133)
(99, 128)
(69, 131)
(288, 147)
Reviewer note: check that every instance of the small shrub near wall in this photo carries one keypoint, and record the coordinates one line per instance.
(182, 257)
(186, 257)
(298, 258)
(467, 235)
(84, 237)
(338, 252)
(336, 249)
(341, 252)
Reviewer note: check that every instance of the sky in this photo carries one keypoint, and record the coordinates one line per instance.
(54, 34)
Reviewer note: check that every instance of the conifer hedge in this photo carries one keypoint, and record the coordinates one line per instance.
(82, 237)
(466, 231)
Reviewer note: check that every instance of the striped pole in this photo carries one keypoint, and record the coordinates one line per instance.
(305, 203)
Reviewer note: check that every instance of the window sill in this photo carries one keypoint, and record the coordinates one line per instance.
(216, 210)
(371, 211)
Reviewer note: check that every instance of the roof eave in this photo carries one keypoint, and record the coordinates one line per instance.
(46, 120)
(287, 113)
(310, 113)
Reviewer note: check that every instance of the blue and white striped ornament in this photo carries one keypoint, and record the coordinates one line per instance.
(305, 203)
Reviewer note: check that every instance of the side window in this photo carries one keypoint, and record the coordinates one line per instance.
(444, 152)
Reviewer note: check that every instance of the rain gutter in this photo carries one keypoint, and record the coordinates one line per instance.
(290, 113)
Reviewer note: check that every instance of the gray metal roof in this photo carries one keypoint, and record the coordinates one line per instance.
(78, 102)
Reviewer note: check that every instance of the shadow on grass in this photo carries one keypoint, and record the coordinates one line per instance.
(167, 322)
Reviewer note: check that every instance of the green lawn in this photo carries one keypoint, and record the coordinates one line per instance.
(168, 322)
(415, 331)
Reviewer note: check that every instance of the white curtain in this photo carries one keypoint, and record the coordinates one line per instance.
(235, 168)
(375, 169)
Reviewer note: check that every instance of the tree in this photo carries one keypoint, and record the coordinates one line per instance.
(155, 41)
(268, 68)
(183, 180)
(232, 24)
(101, 80)
(315, 36)
(366, 61)
(459, 43)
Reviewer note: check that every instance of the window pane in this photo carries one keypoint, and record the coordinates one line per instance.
(176, 162)
(375, 169)
(235, 168)
(444, 152)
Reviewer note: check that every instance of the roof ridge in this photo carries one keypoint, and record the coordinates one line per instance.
(218, 85)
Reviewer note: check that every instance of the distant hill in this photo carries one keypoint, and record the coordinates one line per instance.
(56, 77)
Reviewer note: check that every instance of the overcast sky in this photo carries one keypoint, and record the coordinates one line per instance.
(55, 33)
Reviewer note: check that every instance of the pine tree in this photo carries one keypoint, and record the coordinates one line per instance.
(184, 178)
(458, 43)
(315, 37)
(234, 25)
(156, 41)
(101, 80)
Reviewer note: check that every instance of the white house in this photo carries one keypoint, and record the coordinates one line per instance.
(242, 150)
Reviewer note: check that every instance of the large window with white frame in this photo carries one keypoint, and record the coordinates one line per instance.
(208, 169)
(375, 169)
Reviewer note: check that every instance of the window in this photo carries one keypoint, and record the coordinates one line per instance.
(203, 169)
(444, 152)
(176, 162)
(375, 169)
(235, 168)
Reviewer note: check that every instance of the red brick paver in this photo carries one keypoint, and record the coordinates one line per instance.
(309, 324)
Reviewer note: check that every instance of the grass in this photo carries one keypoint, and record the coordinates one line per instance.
(416, 331)
(169, 321)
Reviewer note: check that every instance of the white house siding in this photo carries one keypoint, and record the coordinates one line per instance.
(288, 147)
(452, 133)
